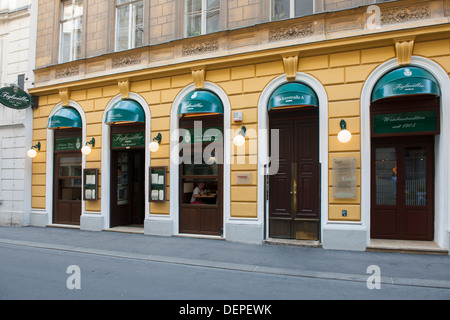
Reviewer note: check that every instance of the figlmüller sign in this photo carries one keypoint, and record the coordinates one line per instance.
(15, 98)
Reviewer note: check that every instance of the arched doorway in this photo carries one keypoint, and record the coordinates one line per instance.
(66, 125)
(126, 119)
(405, 117)
(294, 190)
(201, 168)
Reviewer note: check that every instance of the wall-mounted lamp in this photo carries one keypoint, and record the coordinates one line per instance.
(154, 145)
(239, 140)
(344, 135)
(32, 153)
(87, 149)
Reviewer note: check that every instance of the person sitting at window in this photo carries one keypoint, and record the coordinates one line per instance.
(196, 193)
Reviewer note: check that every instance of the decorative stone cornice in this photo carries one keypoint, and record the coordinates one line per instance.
(290, 62)
(405, 14)
(64, 95)
(404, 49)
(124, 88)
(126, 60)
(198, 76)
(67, 72)
(291, 32)
(200, 47)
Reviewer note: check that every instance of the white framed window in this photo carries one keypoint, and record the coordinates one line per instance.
(286, 9)
(129, 24)
(70, 30)
(201, 17)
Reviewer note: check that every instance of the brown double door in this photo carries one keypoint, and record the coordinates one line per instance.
(294, 189)
(402, 196)
(127, 187)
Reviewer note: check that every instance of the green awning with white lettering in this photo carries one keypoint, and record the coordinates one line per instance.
(65, 117)
(405, 81)
(293, 94)
(125, 111)
(199, 102)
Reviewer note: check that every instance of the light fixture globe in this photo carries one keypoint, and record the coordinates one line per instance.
(344, 136)
(31, 153)
(86, 150)
(153, 146)
(239, 140)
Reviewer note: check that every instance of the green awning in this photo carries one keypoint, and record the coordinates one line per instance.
(125, 111)
(405, 81)
(200, 101)
(293, 94)
(65, 117)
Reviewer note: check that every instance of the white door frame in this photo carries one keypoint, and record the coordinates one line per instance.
(106, 157)
(263, 143)
(174, 154)
(51, 156)
(442, 142)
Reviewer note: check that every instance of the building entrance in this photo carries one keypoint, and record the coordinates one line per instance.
(67, 177)
(403, 188)
(294, 189)
(127, 187)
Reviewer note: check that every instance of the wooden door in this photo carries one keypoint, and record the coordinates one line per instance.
(294, 189)
(402, 197)
(67, 188)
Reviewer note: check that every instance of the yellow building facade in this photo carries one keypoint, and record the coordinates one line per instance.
(336, 54)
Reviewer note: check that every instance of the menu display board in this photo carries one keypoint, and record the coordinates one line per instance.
(157, 184)
(90, 188)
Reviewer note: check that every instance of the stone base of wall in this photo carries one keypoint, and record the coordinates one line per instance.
(92, 222)
(344, 237)
(244, 232)
(158, 226)
(38, 219)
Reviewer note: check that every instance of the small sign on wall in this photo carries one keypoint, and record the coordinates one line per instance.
(244, 178)
(344, 175)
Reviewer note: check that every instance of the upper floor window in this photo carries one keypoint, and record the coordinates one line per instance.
(285, 9)
(201, 17)
(129, 24)
(70, 33)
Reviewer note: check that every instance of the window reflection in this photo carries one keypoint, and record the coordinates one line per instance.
(69, 178)
(416, 176)
(386, 176)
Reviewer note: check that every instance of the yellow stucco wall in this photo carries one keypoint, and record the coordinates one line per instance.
(341, 73)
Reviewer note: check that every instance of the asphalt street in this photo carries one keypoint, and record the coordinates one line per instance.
(68, 264)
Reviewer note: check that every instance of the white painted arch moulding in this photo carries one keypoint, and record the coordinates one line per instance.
(170, 224)
(50, 158)
(442, 142)
(263, 144)
(106, 158)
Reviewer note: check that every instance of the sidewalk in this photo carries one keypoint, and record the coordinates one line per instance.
(396, 268)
